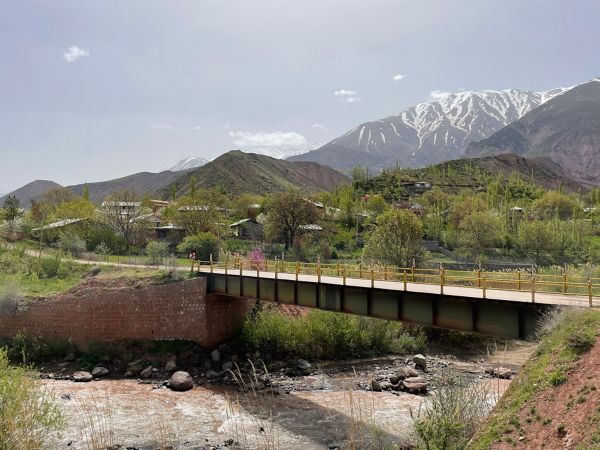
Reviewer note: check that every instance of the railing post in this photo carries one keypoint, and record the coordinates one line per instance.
(226, 264)
(372, 278)
(519, 280)
(590, 291)
(442, 276)
(241, 267)
(338, 269)
(275, 269)
(297, 270)
(532, 289)
(211, 264)
(385, 273)
(319, 272)
(484, 288)
(479, 278)
(267, 265)
(360, 269)
(344, 273)
(404, 278)
(413, 274)
(565, 283)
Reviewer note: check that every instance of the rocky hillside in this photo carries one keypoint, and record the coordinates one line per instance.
(31, 191)
(237, 172)
(430, 132)
(566, 130)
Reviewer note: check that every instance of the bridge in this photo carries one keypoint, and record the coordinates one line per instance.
(503, 304)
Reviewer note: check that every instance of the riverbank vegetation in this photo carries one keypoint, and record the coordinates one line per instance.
(571, 334)
(27, 411)
(325, 335)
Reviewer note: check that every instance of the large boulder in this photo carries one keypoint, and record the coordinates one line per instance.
(215, 355)
(420, 362)
(376, 386)
(136, 366)
(146, 373)
(100, 371)
(406, 372)
(299, 368)
(500, 372)
(181, 381)
(82, 376)
(416, 385)
(170, 365)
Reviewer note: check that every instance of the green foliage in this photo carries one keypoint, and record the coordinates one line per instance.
(554, 357)
(73, 243)
(396, 239)
(203, 244)
(27, 413)
(451, 417)
(101, 234)
(12, 209)
(11, 302)
(325, 335)
(157, 251)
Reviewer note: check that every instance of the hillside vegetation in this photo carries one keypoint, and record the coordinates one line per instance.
(554, 398)
(237, 172)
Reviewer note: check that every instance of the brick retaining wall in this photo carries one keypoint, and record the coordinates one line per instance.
(181, 310)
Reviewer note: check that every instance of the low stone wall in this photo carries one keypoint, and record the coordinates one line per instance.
(181, 310)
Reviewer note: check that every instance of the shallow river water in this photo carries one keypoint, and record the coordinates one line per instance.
(326, 410)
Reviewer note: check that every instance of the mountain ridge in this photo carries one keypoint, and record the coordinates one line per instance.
(430, 132)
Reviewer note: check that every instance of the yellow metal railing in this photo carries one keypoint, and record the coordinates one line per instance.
(519, 281)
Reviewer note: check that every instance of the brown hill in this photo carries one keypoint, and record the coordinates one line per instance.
(237, 172)
(31, 191)
(565, 130)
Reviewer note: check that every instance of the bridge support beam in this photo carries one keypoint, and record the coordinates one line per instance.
(507, 319)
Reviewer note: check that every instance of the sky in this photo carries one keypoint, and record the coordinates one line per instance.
(91, 91)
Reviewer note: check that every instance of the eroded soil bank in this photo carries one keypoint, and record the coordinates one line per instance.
(331, 408)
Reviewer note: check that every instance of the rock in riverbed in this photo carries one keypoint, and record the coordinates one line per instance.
(100, 371)
(416, 385)
(420, 362)
(82, 376)
(181, 381)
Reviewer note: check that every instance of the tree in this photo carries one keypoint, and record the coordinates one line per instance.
(12, 209)
(86, 192)
(199, 214)
(120, 210)
(535, 239)
(396, 239)
(554, 204)
(286, 213)
(478, 231)
(204, 245)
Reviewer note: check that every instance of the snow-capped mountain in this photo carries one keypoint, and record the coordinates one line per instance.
(279, 152)
(191, 162)
(429, 132)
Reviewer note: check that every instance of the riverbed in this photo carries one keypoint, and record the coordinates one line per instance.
(331, 408)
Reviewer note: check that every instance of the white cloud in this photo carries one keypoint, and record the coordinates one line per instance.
(279, 144)
(319, 126)
(73, 53)
(162, 126)
(197, 128)
(398, 77)
(437, 94)
(344, 93)
(347, 96)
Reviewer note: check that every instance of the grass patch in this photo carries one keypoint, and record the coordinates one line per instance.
(27, 411)
(325, 335)
(547, 368)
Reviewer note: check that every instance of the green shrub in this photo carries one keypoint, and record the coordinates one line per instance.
(325, 335)
(203, 244)
(581, 340)
(27, 411)
(557, 377)
(72, 243)
(156, 251)
(10, 298)
(453, 414)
